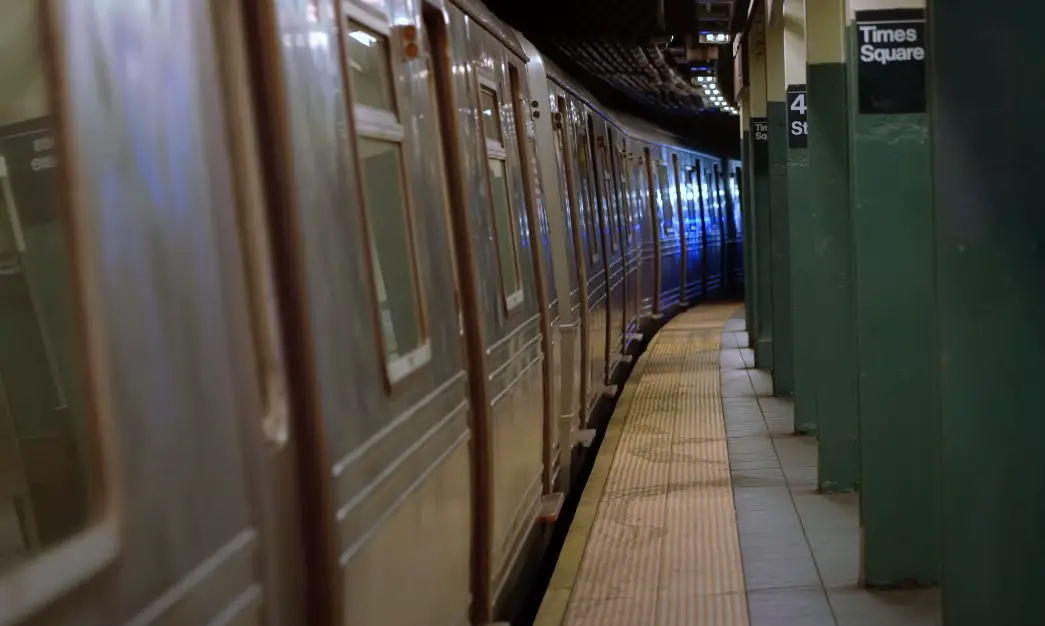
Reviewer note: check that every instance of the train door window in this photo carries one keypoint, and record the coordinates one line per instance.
(504, 220)
(590, 216)
(612, 195)
(679, 186)
(702, 200)
(57, 527)
(664, 191)
(694, 199)
(563, 150)
(386, 207)
(625, 195)
(609, 200)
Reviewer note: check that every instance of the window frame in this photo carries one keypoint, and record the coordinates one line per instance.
(625, 194)
(610, 193)
(593, 234)
(383, 125)
(680, 199)
(667, 226)
(28, 587)
(495, 149)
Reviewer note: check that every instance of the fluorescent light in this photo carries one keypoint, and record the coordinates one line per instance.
(364, 38)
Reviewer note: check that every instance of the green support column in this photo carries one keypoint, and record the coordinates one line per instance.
(762, 216)
(800, 220)
(989, 227)
(895, 298)
(776, 115)
(750, 303)
(835, 370)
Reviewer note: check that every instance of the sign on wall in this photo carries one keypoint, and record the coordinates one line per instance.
(760, 142)
(32, 158)
(797, 128)
(891, 61)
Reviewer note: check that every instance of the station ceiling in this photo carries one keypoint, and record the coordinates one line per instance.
(643, 57)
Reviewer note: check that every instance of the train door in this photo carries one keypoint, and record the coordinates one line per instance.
(627, 200)
(644, 246)
(597, 283)
(149, 413)
(705, 231)
(437, 49)
(680, 209)
(281, 497)
(544, 285)
(697, 262)
(564, 146)
(603, 232)
(653, 232)
(615, 270)
(723, 219)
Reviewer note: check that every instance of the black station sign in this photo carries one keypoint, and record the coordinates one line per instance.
(31, 157)
(797, 128)
(760, 142)
(891, 52)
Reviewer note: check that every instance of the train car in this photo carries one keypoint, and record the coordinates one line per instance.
(308, 309)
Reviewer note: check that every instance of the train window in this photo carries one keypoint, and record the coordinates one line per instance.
(625, 195)
(386, 206)
(56, 525)
(563, 150)
(664, 191)
(368, 60)
(504, 222)
(592, 234)
(611, 203)
(503, 217)
(680, 189)
(491, 115)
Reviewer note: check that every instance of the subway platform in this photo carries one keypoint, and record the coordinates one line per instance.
(702, 506)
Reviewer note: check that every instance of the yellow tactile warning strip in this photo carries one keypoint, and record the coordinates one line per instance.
(654, 540)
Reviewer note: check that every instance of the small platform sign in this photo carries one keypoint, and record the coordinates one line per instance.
(891, 53)
(797, 128)
(31, 156)
(760, 141)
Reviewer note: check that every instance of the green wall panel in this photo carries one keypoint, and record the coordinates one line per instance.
(896, 339)
(803, 289)
(783, 374)
(989, 230)
(835, 341)
(745, 211)
(763, 242)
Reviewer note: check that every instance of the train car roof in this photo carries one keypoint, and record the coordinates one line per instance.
(634, 127)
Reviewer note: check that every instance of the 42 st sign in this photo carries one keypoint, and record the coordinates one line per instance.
(797, 127)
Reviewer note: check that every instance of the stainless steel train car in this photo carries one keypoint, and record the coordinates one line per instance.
(306, 307)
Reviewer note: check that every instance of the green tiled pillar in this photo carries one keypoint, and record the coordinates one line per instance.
(895, 298)
(802, 266)
(834, 344)
(776, 115)
(989, 227)
(746, 205)
(761, 197)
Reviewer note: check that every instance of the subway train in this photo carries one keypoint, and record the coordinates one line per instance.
(307, 307)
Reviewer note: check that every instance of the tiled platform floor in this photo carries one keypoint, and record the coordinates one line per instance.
(800, 549)
(701, 508)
